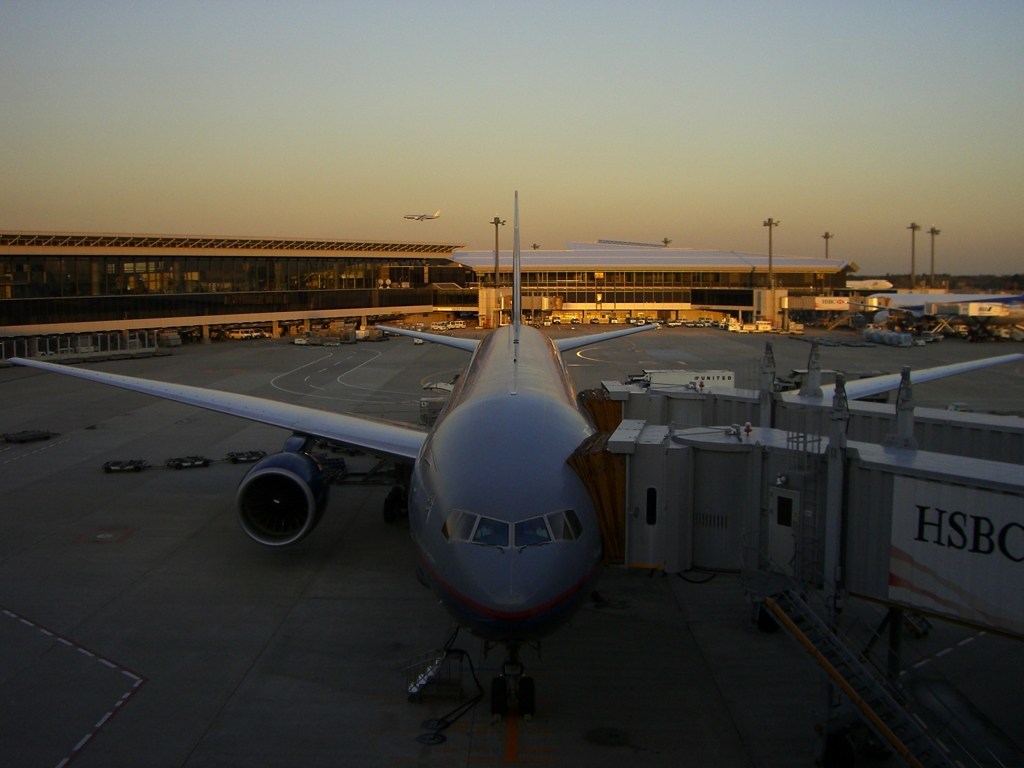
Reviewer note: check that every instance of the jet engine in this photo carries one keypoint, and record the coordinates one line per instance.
(881, 318)
(282, 498)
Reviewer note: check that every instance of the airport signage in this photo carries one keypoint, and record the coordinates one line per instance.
(833, 303)
(958, 551)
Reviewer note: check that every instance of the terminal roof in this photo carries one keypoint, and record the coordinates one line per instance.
(605, 256)
(19, 241)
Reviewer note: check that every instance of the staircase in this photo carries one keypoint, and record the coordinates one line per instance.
(904, 732)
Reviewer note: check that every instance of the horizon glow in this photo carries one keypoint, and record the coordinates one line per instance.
(613, 120)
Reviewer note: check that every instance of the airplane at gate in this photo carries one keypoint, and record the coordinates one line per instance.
(505, 531)
(973, 308)
(423, 216)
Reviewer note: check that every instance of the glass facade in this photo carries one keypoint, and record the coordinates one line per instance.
(63, 289)
(724, 289)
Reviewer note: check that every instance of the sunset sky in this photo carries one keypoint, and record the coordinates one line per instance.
(629, 121)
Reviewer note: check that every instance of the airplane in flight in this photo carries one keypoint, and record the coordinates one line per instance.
(505, 531)
(423, 216)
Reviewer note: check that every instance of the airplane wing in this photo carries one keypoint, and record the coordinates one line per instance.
(469, 345)
(564, 345)
(378, 437)
(876, 385)
(414, 217)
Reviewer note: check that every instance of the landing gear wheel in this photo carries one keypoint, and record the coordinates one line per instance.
(394, 505)
(499, 696)
(527, 698)
(390, 509)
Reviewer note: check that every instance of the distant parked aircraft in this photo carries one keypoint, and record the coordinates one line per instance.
(868, 285)
(975, 309)
(422, 216)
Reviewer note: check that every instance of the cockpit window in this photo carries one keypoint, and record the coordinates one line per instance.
(458, 526)
(531, 532)
(493, 533)
(555, 526)
(574, 523)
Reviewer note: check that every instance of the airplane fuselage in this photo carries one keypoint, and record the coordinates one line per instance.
(505, 530)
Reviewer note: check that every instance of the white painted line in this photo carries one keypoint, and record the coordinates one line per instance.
(103, 720)
(321, 370)
(104, 661)
(118, 704)
(87, 653)
(137, 683)
(920, 663)
(942, 653)
(62, 640)
(942, 746)
(10, 614)
(981, 633)
(126, 695)
(81, 744)
(62, 763)
(920, 722)
(46, 632)
(133, 677)
(306, 379)
(26, 622)
(965, 641)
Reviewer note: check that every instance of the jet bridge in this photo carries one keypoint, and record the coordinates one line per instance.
(811, 518)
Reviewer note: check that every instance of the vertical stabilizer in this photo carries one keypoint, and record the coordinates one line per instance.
(517, 279)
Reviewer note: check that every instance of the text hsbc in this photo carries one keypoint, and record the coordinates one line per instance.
(980, 533)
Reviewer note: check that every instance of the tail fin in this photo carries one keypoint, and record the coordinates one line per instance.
(517, 282)
(438, 214)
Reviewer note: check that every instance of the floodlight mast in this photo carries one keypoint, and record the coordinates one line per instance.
(771, 224)
(828, 236)
(914, 227)
(496, 222)
(933, 232)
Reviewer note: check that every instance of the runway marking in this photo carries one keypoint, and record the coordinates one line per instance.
(37, 450)
(91, 654)
(944, 651)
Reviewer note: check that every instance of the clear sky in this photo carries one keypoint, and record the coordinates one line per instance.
(630, 121)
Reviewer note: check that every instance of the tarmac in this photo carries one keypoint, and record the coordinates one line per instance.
(141, 627)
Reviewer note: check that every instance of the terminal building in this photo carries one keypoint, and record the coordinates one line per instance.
(55, 283)
(618, 280)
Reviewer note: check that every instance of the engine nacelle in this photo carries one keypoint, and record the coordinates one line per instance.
(282, 498)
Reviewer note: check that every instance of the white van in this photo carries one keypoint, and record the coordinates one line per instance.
(457, 324)
(439, 325)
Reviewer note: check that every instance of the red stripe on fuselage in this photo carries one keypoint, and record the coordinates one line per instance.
(524, 615)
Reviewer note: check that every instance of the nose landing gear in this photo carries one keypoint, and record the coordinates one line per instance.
(513, 690)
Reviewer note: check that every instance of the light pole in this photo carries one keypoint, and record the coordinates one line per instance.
(933, 232)
(771, 224)
(913, 253)
(535, 246)
(828, 236)
(666, 241)
(497, 222)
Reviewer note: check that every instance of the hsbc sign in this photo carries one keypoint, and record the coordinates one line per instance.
(958, 551)
(838, 303)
